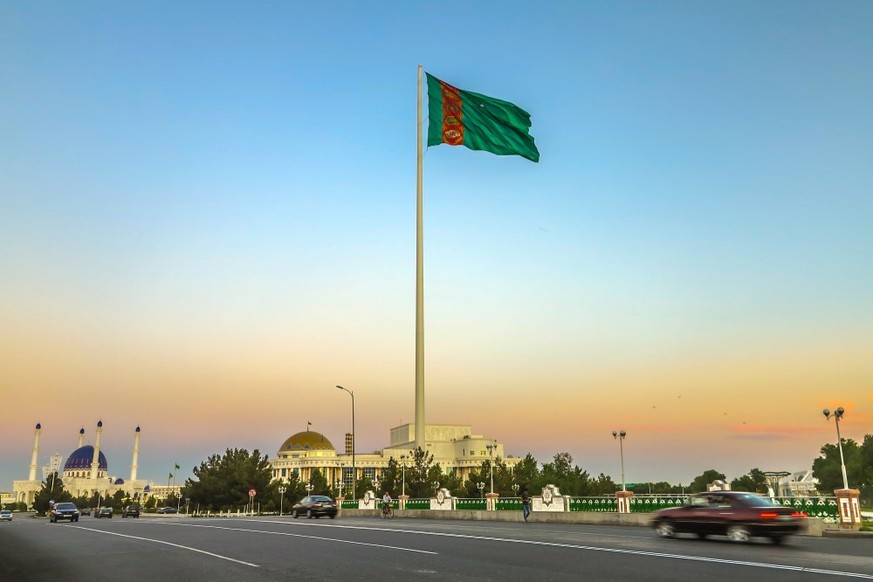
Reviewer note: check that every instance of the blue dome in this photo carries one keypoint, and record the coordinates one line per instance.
(119, 481)
(82, 458)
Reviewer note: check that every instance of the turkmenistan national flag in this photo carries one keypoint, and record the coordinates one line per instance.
(459, 117)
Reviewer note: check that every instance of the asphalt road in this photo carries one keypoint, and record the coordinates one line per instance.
(239, 549)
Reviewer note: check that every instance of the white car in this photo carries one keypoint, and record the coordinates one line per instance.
(5, 515)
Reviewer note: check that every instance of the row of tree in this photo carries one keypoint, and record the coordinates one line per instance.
(53, 491)
(223, 482)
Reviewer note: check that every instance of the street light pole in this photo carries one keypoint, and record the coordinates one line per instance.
(620, 436)
(281, 498)
(838, 414)
(491, 447)
(354, 471)
(403, 474)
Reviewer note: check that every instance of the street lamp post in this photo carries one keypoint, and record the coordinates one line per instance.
(354, 472)
(620, 436)
(281, 497)
(481, 487)
(491, 447)
(838, 414)
(403, 474)
(309, 488)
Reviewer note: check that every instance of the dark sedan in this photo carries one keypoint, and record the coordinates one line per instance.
(62, 511)
(130, 511)
(736, 514)
(315, 506)
(103, 512)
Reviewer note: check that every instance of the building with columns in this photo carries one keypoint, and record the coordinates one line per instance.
(453, 446)
(85, 471)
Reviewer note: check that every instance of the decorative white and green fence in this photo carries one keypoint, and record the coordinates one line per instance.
(824, 506)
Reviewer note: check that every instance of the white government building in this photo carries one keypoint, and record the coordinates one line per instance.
(453, 446)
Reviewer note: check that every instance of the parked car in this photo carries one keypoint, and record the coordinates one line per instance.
(167, 510)
(5, 515)
(315, 506)
(103, 512)
(736, 514)
(63, 510)
(130, 511)
(85, 511)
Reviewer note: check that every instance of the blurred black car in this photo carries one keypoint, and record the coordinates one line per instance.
(315, 506)
(85, 511)
(167, 510)
(62, 511)
(130, 511)
(103, 512)
(736, 514)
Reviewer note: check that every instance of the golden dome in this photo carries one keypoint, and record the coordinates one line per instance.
(308, 440)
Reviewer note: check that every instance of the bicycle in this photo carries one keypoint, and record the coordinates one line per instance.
(387, 512)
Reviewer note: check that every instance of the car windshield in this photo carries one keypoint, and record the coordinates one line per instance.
(321, 499)
(65, 506)
(754, 500)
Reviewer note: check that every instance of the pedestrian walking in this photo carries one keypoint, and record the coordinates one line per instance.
(525, 503)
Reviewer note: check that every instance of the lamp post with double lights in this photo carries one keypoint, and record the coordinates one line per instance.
(620, 434)
(281, 497)
(838, 414)
(403, 474)
(354, 472)
(491, 448)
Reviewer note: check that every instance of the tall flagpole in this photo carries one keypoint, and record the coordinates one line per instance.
(419, 290)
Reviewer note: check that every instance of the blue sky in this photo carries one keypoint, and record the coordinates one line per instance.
(208, 200)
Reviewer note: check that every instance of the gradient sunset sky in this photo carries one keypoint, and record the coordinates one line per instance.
(207, 221)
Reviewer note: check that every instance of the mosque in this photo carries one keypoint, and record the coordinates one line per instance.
(86, 472)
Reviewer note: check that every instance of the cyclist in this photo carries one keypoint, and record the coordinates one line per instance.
(386, 503)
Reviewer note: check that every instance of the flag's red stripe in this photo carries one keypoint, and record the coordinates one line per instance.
(453, 115)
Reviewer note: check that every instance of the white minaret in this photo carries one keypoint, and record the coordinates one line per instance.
(33, 459)
(95, 464)
(81, 438)
(133, 465)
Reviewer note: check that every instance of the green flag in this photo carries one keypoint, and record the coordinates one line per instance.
(479, 122)
(177, 467)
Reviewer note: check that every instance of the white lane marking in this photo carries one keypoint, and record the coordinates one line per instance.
(764, 565)
(293, 535)
(110, 533)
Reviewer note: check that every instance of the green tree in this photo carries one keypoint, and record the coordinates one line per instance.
(602, 485)
(223, 481)
(701, 481)
(753, 481)
(319, 483)
(660, 488)
(451, 481)
(52, 490)
(827, 468)
(417, 485)
(527, 475)
(569, 478)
